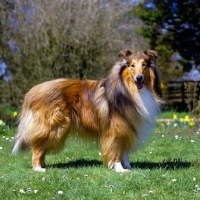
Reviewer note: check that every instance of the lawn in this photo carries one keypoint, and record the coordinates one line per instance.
(166, 168)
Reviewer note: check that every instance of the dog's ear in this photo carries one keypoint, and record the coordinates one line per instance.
(125, 53)
(153, 55)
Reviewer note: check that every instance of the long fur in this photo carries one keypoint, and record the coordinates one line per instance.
(112, 110)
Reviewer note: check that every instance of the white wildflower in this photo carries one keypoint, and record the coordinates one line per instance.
(175, 124)
(194, 179)
(176, 137)
(174, 180)
(35, 191)
(60, 192)
(192, 141)
(22, 191)
(2, 123)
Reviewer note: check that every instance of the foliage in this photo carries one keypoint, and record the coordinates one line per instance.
(9, 115)
(196, 110)
(176, 123)
(2, 126)
(43, 40)
(171, 26)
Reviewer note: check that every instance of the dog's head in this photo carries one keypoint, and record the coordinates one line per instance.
(142, 68)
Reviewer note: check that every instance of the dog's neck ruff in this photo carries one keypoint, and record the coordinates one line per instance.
(149, 106)
(148, 110)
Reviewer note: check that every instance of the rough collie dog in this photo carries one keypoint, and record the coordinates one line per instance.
(119, 111)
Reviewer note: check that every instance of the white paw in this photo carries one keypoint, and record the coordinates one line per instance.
(118, 167)
(39, 169)
(122, 170)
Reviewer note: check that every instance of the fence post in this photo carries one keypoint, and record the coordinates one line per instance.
(182, 91)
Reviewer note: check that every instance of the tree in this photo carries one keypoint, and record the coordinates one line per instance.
(43, 40)
(172, 26)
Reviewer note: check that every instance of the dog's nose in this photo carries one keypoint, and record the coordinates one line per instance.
(139, 78)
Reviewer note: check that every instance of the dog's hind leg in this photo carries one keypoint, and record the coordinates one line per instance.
(38, 160)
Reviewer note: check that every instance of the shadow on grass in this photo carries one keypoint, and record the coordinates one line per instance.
(166, 164)
(77, 164)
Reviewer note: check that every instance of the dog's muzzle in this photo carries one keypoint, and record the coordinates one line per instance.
(139, 81)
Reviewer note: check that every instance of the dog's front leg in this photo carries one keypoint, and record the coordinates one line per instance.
(112, 148)
(125, 160)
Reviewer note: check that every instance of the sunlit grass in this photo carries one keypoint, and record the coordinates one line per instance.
(177, 120)
(169, 114)
(166, 168)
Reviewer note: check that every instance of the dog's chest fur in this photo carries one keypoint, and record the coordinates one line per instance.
(148, 111)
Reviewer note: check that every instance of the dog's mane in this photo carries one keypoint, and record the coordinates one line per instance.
(115, 88)
(119, 98)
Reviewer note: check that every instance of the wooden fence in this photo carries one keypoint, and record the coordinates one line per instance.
(183, 95)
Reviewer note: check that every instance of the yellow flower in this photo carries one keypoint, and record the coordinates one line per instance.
(191, 123)
(168, 123)
(15, 113)
(182, 119)
(174, 116)
(186, 118)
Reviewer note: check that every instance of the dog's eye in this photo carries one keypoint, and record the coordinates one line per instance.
(132, 65)
(143, 65)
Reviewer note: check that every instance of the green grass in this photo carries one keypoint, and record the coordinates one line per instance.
(166, 168)
(169, 114)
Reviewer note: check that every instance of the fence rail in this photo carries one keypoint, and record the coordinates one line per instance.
(183, 93)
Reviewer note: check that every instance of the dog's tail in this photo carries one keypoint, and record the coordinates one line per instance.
(21, 141)
(19, 145)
